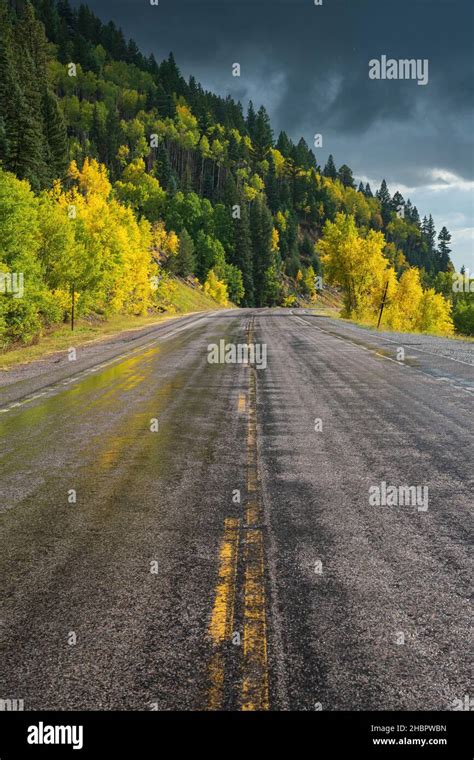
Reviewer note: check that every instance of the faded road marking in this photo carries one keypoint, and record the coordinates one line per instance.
(255, 681)
(222, 618)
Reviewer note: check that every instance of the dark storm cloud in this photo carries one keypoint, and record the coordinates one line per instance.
(309, 66)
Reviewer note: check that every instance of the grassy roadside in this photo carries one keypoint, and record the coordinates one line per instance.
(186, 300)
(329, 304)
(372, 327)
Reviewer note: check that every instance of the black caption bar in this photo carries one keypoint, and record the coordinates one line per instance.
(93, 734)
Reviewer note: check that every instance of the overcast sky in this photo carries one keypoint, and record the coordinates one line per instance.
(309, 66)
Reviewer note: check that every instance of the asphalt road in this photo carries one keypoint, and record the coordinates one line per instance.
(176, 534)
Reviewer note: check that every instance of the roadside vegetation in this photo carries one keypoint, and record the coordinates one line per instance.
(117, 176)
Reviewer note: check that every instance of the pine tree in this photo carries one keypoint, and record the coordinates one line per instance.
(3, 139)
(47, 12)
(398, 202)
(261, 226)
(251, 120)
(262, 135)
(55, 133)
(330, 168)
(170, 77)
(284, 145)
(345, 176)
(429, 233)
(428, 252)
(444, 239)
(408, 211)
(368, 191)
(184, 263)
(9, 87)
(133, 54)
(385, 199)
(98, 135)
(303, 156)
(30, 155)
(113, 140)
(242, 257)
(26, 155)
(163, 170)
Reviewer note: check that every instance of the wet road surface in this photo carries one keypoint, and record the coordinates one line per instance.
(176, 534)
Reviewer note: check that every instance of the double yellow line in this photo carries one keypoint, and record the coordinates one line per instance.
(255, 692)
(254, 682)
(221, 625)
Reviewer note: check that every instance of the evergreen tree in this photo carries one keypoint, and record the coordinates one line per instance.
(345, 176)
(262, 134)
(184, 263)
(170, 77)
(398, 203)
(47, 12)
(34, 143)
(55, 133)
(444, 239)
(251, 120)
(303, 156)
(261, 226)
(133, 54)
(428, 258)
(429, 233)
(26, 155)
(385, 199)
(408, 211)
(415, 217)
(330, 168)
(242, 256)
(3, 138)
(113, 139)
(284, 145)
(163, 170)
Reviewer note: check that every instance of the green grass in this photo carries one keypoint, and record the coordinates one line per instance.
(334, 312)
(185, 300)
(372, 326)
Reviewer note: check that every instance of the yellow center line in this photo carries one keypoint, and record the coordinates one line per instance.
(254, 693)
(255, 681)
(222, 617)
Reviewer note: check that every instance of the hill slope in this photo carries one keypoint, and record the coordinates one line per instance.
(207, 190)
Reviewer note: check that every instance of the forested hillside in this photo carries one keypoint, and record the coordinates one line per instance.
(116, 172)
